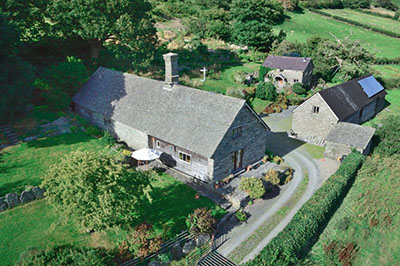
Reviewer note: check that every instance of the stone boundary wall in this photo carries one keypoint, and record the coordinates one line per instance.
(12, 200)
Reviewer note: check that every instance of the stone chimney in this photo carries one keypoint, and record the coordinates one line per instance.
(171, 69)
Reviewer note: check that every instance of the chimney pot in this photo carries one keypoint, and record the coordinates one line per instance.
(171, 69)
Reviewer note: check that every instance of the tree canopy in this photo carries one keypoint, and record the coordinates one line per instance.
(16, 75)
(96, 190)
(126, 24)
(252, 20)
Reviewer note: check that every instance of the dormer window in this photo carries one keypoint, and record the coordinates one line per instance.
(315, 109)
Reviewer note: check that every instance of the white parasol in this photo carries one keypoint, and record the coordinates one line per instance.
(146, 154)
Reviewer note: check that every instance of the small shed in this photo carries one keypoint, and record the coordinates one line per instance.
(347, 136)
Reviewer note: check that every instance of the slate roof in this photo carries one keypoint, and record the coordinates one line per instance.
(190, 118)
(351, 134)
(287, 62)
(345, 99)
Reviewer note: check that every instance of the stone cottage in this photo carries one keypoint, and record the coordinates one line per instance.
(355, 101)
(288, 70)
(206, 135)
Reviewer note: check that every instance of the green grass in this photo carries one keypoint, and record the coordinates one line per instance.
(227, 78)
(300, 27)
(388, 71)
(368, 218)
(259, 104)
(239, 253)
(315, 151)
(393, 99)
(35, 225)
(367, 19)
(26, 163)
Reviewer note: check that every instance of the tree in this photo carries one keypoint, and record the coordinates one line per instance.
(253, 186)
(96, 190)
(356, 3)
(272, 176)
(201, 222)
(252, 20)
(266, 91)
(16, 75)
(127, 25)
(66, 255)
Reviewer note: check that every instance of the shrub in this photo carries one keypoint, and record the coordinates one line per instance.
(389, 135)
(299, 88)
(107, 139)
(253, 186)
(95, 189)
(241, 215)
(272, 176)
(277, 159)
(65, 255)
(201, 222)
(288, 177)
(93, 131)
(396, 15)
(266, 91)
(262, 72)
(306, 225)
(356, 3)
(143, 240)
(387, 4)
(235, 92)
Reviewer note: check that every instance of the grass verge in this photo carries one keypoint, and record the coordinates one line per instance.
(315, 151)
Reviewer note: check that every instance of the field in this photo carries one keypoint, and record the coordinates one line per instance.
(388, 71)
(367, 19)
(302, 26)
(393, 101)
(24, 164)
(364, 229)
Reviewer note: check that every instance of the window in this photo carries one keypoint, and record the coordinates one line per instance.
(237, 131)
(184, 157)
(158, 144)
(315, 110)
(295, 80)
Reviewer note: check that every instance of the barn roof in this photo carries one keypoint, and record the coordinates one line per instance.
(351, 134)
(287, 62)
(349, 97)
(190, 118)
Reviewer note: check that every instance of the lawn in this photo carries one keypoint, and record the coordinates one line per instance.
(388, 71)
(35, 225)
(259, 105)
(393, 107)
(315, 151)
(302, 26)
(227, 78)
(364, 230)
(366, 19)
(26, 163)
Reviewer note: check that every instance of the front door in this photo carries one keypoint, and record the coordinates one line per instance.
(237, 160)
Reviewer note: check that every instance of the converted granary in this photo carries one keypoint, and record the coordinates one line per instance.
(355, 101)
(288, 70)
(206, 135)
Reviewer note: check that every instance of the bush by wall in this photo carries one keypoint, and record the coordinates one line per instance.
(355, 23)
(290, 244)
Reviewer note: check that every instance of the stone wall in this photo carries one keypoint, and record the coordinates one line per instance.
(12, 200)
(337, 150)
(253, 141)
(306, 124)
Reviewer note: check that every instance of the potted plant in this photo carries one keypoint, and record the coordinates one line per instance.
(216, 185)
(197, 195)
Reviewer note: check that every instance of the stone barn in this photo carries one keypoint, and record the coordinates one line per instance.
(355, 101)
(347, 136)
(288, 70)
(205, 135)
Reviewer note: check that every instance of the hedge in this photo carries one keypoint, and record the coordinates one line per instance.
(375, 13)
(299, 235)
(355, 23)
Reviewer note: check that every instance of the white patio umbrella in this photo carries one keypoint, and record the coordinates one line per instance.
(146, 154)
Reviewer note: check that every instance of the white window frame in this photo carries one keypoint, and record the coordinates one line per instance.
(315, 109)
(158, 144)
(186, 155)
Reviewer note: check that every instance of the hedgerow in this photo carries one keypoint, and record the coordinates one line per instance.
(290, 244)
